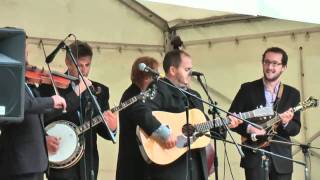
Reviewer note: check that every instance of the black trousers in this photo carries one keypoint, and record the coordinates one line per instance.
(259, 173)
(31, 176)
(62, 178)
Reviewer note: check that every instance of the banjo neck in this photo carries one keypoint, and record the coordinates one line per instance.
(98, 119)
(69, 133)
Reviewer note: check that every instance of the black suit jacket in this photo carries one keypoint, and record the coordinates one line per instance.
(24, 147)
(249, 97)
(130, 165)
(169, 100)
(73, 104)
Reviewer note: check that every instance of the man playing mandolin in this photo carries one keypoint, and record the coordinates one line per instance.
(269, 91)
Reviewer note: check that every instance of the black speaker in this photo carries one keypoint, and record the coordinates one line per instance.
(12, 69)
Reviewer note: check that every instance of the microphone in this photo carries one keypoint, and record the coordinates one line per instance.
(263, 137)
(195, 73)
(143, 67)
(53, 54)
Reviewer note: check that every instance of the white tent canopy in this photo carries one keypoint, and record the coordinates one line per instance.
(303, 11)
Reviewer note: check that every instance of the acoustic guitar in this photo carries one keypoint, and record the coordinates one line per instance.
(153, 151)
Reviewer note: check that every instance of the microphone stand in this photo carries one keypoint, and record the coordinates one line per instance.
(157, 78)
(211, 105)
(50, 72)
(305, 150)
(189, 155)
(213, 112)
(94, 102)
(89, 115)
(263, 152)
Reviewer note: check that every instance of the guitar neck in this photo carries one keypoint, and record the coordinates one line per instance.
(98, 119)
(218, 122)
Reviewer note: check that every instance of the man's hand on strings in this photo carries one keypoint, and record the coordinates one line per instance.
(254, 130)
(234, 122)
(170, 142)
(52, 144)
(286, 116)
(111, 120)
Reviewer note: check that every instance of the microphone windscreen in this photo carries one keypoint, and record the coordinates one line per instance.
(142, 66)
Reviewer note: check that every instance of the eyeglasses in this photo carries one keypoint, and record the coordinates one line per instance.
(273, 64)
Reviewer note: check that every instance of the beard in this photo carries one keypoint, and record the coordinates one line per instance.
(273, 78)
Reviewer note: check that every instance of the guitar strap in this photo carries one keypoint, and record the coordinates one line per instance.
(278, 98)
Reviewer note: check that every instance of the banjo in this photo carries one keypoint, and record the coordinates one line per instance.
(70, 149)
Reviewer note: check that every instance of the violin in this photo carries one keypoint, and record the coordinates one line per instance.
(36, 75)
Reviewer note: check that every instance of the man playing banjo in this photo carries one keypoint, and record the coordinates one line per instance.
(80, 166)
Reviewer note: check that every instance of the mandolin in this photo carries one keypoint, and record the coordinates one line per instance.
(271, 125)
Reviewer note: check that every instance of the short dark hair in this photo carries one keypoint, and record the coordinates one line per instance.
(80, 49)
(284, 59)
(136, 74)
(173, 58)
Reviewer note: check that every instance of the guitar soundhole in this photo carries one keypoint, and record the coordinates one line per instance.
(188, 130)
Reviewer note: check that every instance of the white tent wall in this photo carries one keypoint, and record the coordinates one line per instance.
(112, 68)
(98, 20)
(119, 35)
(228, 62)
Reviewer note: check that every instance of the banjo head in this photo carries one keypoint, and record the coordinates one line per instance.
(69, 141)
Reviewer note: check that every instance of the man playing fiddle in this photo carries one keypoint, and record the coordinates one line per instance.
(23, 155)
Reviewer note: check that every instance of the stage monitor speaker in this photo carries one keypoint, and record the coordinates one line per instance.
(12, 69)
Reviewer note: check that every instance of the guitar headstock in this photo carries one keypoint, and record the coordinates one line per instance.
(263, 112)
(149, 93)
(308, 103)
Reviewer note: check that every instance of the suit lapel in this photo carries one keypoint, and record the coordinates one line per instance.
(259, 94)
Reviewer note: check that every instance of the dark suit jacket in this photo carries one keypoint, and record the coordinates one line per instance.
(130, 165)
(24, 149)
(73, 104)
(169, 100)
(249, 97)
